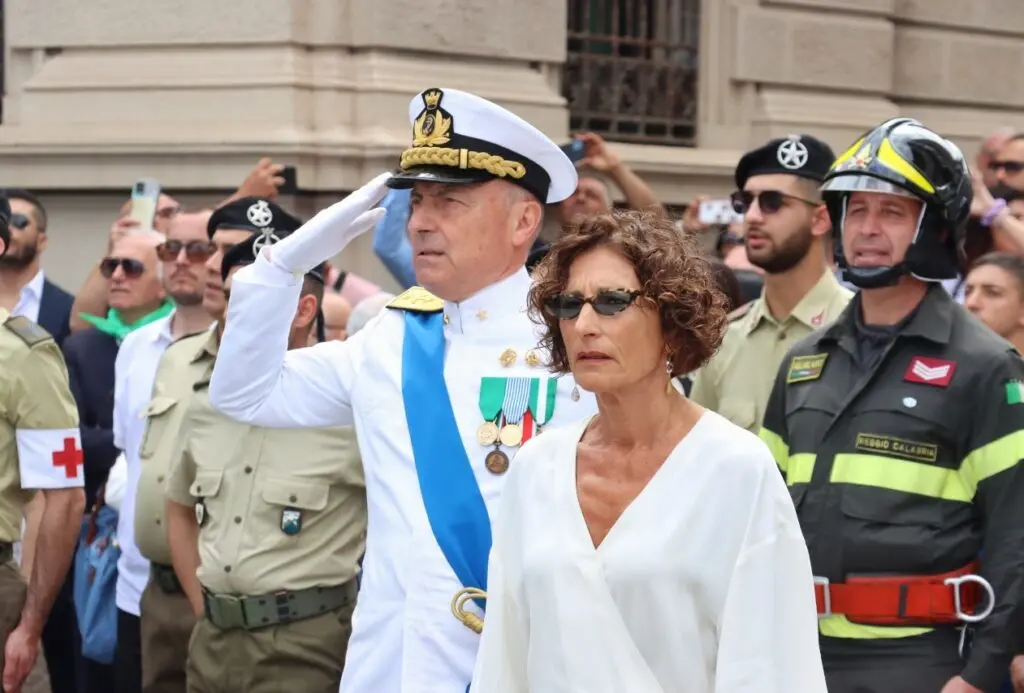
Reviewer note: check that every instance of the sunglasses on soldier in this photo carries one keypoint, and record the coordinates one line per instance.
(770, 201)
(20, 221)
(195, 251)
(605, 302)
(133, 269)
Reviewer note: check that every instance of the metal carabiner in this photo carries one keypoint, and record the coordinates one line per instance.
(956, 582)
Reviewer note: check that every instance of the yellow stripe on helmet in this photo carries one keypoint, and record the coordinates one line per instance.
(890, 158)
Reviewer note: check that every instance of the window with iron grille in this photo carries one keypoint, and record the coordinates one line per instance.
(631, 69)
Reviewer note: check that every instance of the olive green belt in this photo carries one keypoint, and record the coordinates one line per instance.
(229, 611)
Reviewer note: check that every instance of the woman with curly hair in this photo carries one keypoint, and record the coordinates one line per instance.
(652, 548)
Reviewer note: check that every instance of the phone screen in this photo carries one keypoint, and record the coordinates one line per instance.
(575, 150)
(291, 183)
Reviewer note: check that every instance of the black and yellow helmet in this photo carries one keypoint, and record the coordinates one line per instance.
(903, 157)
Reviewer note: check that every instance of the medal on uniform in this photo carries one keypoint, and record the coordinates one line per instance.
(291, 521)
(542, 405)
(496, 462)
(200, 512)
(487, 434)
(492, 393)
(513, 407)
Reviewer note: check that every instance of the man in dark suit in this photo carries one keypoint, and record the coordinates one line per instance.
(24, 288)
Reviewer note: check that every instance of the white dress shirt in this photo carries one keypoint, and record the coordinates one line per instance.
(30, 298)
(702, 585)
(134, 373)
(404, 636)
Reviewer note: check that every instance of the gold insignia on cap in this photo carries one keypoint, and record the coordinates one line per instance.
(481, 315)
(863, 157)
(433, 126)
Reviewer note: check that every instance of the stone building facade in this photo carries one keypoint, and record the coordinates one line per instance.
(101, 92)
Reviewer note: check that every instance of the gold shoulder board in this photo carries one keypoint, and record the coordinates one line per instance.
(740, 312)
(418, 300)
(28, 331)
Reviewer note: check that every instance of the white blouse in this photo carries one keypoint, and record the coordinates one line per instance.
(702, 585)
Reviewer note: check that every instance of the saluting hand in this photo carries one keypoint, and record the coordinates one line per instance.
(327, 233)
(20, 654)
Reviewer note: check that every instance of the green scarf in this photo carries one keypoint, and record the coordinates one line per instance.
(114, 326)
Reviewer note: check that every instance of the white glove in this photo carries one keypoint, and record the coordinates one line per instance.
(333, 228)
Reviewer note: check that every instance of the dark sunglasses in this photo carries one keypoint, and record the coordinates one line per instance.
(195, 251)
(606, 302)
(20, 221)
(770, 201)
(1008, 166)
(133, 269)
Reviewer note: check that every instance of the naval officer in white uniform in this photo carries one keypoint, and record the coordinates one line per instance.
(442, 387)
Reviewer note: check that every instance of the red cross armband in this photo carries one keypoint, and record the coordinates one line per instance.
(50, 458)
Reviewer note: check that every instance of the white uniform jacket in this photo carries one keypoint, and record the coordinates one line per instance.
(405, 638)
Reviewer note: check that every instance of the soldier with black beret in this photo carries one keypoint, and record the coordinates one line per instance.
(786, 231)
(266, 526)
(233, 224)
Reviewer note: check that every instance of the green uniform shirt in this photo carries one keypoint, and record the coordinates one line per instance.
(909, 467)
(40, 444)
(737, 381)
(182, 365)
(278, 508)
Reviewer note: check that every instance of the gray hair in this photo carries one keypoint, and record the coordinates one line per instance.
(366, 310)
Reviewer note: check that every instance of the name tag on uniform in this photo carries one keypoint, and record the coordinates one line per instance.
(804, 368)
(897, 447)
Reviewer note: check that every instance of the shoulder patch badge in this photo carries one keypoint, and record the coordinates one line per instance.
(418, 300)
(735, 315)
(805, 368)
(28, 331)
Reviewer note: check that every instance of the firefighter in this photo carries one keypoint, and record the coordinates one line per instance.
(900, 432)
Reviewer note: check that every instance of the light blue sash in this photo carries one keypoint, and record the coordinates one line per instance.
(455, 506)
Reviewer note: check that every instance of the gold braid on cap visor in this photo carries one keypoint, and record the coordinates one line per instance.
(462, 158)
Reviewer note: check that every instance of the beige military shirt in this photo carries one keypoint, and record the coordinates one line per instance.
(40, 444)
(183, 364)
(278, 508)
(737, 381)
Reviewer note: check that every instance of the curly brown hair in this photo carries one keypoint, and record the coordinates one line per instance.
(672, 274)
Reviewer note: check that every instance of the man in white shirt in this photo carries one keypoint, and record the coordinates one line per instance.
(24, 289)
(184, 276)
(442, 387)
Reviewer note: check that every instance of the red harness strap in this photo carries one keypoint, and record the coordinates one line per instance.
(901, 599)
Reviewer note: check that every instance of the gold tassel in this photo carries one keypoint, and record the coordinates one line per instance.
(468, 618)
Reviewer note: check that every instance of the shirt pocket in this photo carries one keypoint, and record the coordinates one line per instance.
(157, 415)
(207, 490)
(291, 508)
(888, 531)
(740, 411)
